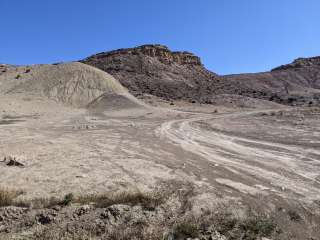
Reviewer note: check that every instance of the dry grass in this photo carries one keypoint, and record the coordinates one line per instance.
(252, 227)
(148, 201)
(43, 202)
(7, 197)
(175, 221)
(186, 229)
(135, 233)
(39, 203)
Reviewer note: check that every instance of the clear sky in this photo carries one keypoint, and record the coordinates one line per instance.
(230, 36)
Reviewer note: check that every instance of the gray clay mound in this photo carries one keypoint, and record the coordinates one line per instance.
(114, 101)
(74, 84)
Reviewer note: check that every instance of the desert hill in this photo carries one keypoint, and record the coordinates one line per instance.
(154, 69)
(74, 84)
(297, 83)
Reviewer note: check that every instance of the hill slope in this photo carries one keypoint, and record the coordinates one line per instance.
(154, 69)
(297, 83)
(74, 84)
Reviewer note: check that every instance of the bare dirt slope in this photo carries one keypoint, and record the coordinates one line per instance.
(289, 86)
(73, 84)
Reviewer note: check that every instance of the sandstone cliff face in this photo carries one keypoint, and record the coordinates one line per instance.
(154, 69)
(162, 53)
(300, 63)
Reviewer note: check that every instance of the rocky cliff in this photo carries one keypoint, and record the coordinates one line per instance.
(300, 63)
(160, 52)
(154, 69)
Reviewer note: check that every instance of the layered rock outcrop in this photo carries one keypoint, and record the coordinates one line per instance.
(161, 52)
(154, 69)
(300, 63)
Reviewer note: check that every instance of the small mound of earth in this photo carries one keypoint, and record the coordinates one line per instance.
(114, 101)
(74, 84)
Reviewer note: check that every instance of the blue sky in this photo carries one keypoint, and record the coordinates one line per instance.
(230, 36)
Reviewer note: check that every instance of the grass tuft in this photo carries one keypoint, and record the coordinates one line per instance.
(186, 229)
(67, 200)
(148, 201)
(7, 197)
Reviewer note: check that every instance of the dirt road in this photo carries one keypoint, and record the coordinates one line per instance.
(254, 166)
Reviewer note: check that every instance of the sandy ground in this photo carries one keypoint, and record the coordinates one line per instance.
(269, 156)
(69, 150)
(252, 153)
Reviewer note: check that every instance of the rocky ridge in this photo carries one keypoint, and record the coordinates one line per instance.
(300, 63)
(155, 70)
(161, 52)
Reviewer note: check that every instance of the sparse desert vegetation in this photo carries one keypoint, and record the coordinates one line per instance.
(129, 215)
(7, 197)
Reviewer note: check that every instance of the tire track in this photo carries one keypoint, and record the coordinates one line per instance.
(282, 169)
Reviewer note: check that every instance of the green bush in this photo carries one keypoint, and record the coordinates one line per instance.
(67, 200)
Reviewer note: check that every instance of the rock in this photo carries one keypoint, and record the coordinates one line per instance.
(217, 236)
(11, 161)
(300, 63)
(14, 163)
(83, 210)
(155, 70)
(46, 217)
(84, 126)
(122, 214)
(113, 213)
(158, 71)
(57, 208)
(11, 213)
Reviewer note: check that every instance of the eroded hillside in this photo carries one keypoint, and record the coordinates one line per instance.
(154, 69)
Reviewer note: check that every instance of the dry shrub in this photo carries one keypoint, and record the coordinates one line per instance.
(7, 197)
(186, 229)
(39, 203)
(148, 201)
(252, 227)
